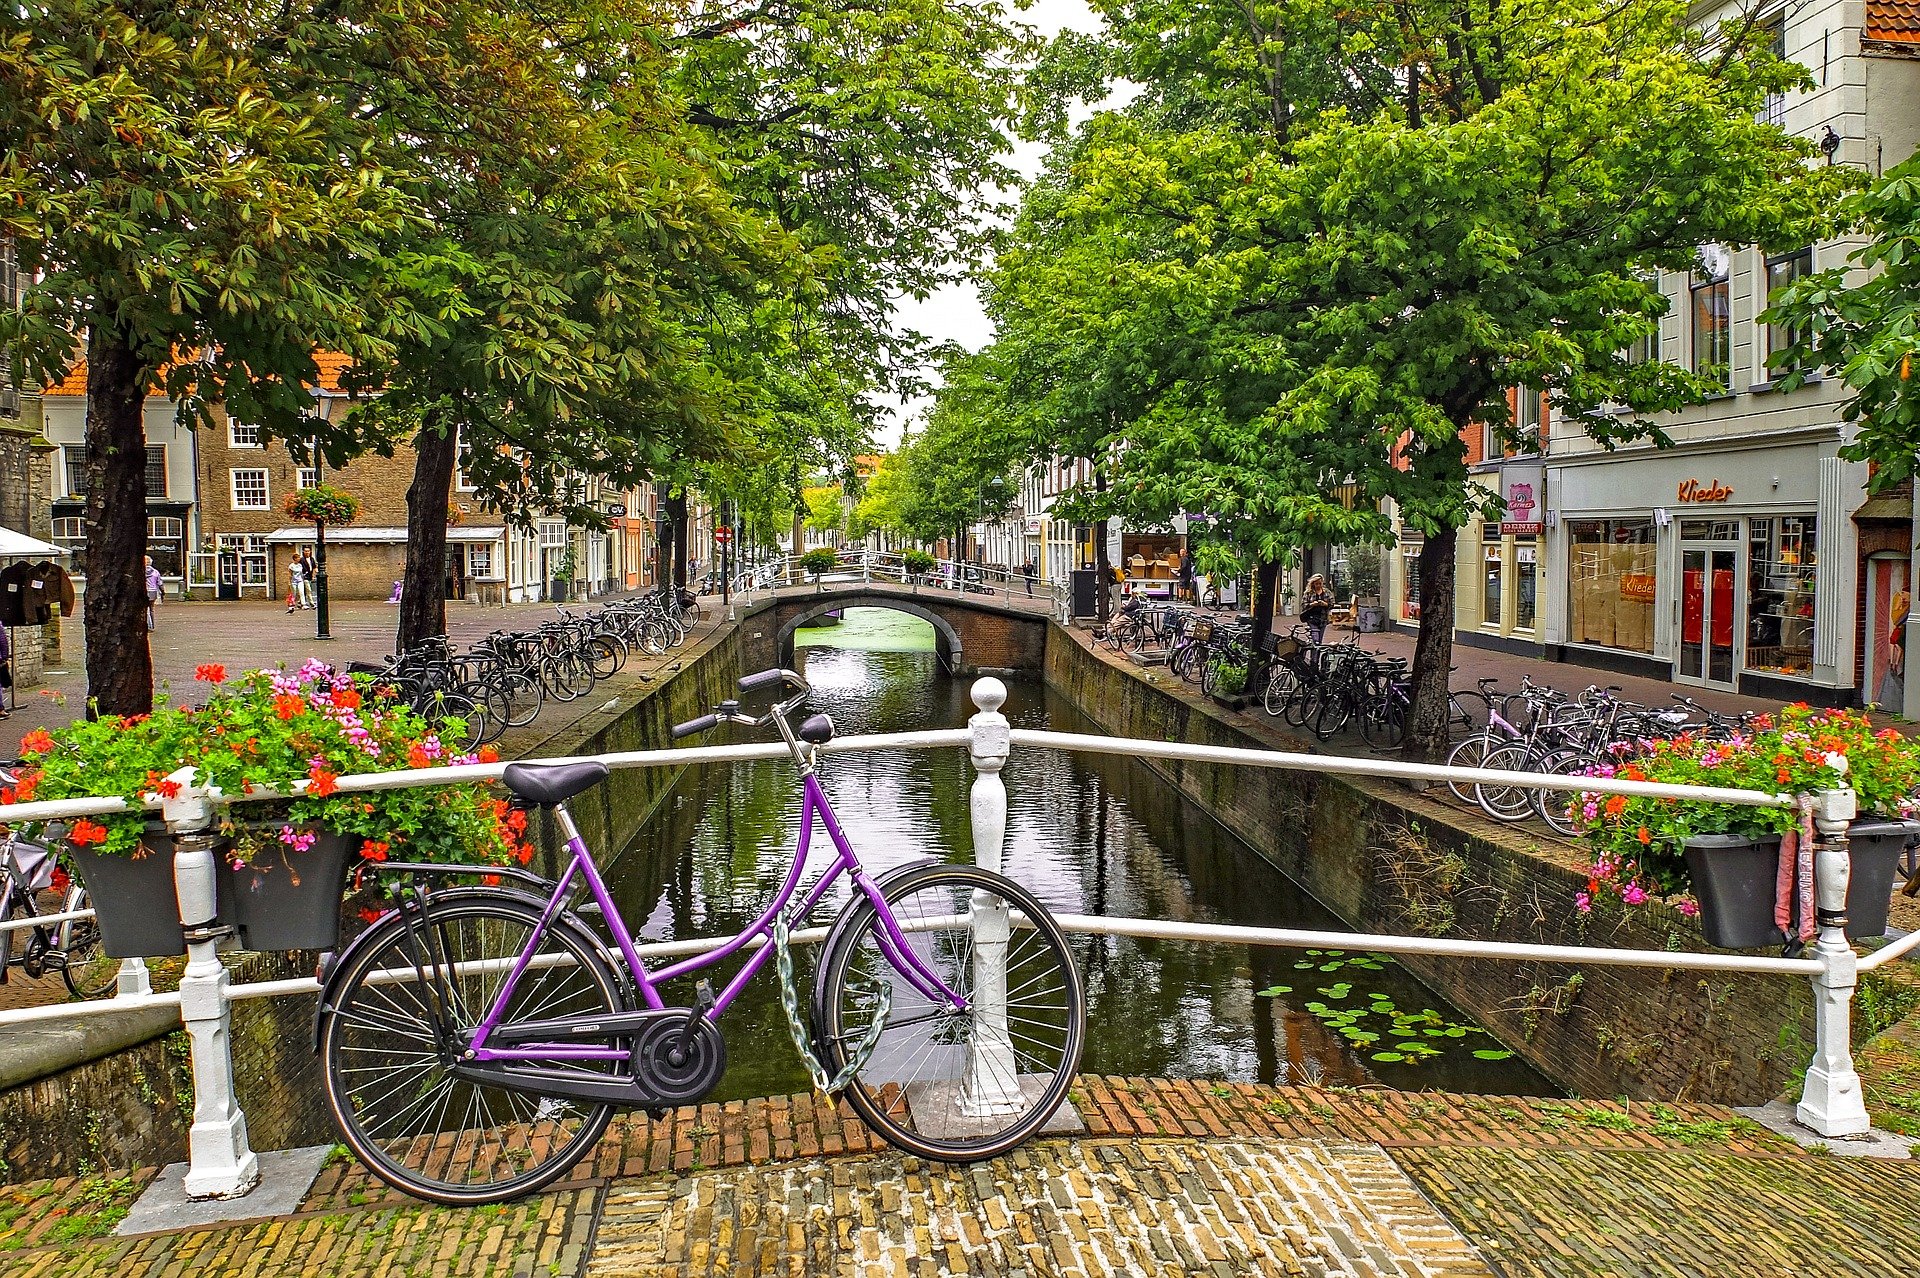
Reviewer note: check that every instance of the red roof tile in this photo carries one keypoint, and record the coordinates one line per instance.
(1895, 21)
(331, 365)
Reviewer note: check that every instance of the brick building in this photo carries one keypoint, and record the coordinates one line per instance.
(26, 480)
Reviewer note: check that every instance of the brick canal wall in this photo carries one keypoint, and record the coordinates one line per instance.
(1388, 860)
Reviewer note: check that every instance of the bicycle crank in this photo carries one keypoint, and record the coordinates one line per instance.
(678, 1057)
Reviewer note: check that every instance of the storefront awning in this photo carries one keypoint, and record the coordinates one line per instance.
(380, 536)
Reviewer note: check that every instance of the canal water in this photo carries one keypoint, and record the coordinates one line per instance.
(1087, 834)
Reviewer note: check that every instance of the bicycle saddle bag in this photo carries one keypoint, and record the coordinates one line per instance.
(32, 864)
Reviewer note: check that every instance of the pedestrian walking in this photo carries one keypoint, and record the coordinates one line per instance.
(154, 590)
(309, 578)
(296, 578)
(1186, 575)
(1027, 570)
(1316, 605)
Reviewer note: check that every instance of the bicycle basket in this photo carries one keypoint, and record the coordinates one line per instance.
(1201, 629)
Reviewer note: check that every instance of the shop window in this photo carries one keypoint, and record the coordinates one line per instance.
(480, 560)
(1712, 314)
(1491, 575)
(1780, 584)
(1611, 583)
(1410, 574)
(1782, 271)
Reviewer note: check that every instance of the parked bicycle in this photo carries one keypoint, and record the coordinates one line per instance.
(476, 1040)
(32, 884)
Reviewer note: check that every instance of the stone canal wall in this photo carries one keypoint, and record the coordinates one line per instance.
(1388, 860)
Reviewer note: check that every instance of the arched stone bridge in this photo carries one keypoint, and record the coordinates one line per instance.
(972, 631)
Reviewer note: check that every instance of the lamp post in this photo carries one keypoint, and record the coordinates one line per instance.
(323, 622)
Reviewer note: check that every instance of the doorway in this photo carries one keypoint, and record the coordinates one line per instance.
(1710, 603)
(1888, 600)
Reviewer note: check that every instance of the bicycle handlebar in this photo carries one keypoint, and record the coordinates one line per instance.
(692, 726)
(765, 679)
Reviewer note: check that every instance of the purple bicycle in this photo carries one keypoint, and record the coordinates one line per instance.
(477, 1040)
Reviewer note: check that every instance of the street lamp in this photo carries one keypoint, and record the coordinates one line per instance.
(323, 621)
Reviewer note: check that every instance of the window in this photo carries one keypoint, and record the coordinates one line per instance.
(1611, 583)
(70, 533)
(1774, 110)
(306, 476)
(480, 560)
(1527, 419)
(462, 458)
(165, 528)
(553, 533)
(1712, 314)
(241, 435)
(1526, 553)
(156, 470)
(1781, 563)
(1411, 544)
(1643, 349)
(242, 558)
(1490, 593)
(74, 459)
(249, 489)
(1782, 271)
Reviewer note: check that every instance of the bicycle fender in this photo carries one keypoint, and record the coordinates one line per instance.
(330, 982)
(843, 922)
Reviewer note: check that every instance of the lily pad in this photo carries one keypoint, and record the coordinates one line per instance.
(1492, 1054)
(1275, 991)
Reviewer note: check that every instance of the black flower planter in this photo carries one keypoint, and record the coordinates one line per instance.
(286, 901)
(1734, 879)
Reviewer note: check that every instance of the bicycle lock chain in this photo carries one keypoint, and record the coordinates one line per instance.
(797, 1028)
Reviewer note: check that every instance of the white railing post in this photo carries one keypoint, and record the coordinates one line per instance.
(133, 980)
(991, 1085)
(1831, 1102)
(219, 1162)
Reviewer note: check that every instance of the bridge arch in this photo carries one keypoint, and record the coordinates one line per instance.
(947, 643)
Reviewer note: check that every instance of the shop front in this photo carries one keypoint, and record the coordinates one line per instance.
(1728, 568)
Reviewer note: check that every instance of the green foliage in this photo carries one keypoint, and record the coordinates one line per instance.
(1869, 331)
(918, 562)
(961, 465)
(824, 510)
(323, 504)
(820, 560)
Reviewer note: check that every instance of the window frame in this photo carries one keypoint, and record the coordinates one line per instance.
(1779, 336)
(1703, 282)
(266, 487)
(234, 435)
(157, 464)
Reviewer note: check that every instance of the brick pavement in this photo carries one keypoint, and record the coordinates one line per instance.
(1175, 1177)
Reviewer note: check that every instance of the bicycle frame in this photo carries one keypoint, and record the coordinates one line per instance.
(893, 941)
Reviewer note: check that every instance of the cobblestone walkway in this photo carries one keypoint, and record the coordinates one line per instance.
(1082, 1209)
(1175, 1177)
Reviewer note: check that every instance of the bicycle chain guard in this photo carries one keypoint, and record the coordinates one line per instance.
(678, 1060)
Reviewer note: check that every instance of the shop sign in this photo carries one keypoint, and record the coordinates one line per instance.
(616, 511)
(1523, 488)
(1033, 526)
(1637, 587)
(1692, 490)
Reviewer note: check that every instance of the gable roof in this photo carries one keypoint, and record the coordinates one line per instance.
(331, 364)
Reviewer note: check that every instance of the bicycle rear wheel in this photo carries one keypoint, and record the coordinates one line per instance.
(387, 1056)
(88, 970)
(1507, 802)
(945, 1084)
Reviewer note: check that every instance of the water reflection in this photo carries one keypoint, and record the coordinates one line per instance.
(1087, 834)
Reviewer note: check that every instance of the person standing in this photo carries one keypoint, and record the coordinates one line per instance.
(1026, 571)
(154, 590)
(309, 578)
(1316, 605)
(1186, 575)
(6, 670)
(296, 579)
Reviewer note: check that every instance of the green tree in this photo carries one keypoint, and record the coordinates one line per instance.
(186, 190)
(1869, 330)
(1280, 285)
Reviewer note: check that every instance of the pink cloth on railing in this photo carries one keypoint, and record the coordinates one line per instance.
(1793, 883)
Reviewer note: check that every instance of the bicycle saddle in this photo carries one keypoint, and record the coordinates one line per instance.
(549, 783)
(818, 729)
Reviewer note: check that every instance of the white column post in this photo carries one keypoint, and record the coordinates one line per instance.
(1831, 1102)
(219, 1162)
(992, 1085)
(133, 980)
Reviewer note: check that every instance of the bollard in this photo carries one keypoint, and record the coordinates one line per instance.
(991, 1085)
(133, 980)
(219, 1162)
(1831, 1102)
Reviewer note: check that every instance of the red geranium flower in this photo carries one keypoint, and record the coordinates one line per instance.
(212, 672)
(85, 832)
(374, 849)
(346, 699)
(286, 705)
(39, 741)
(323, 782)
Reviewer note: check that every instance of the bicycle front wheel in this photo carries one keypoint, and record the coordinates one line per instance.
(387, 1052)
(955, 1086)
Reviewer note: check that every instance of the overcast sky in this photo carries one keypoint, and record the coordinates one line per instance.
(953, 314)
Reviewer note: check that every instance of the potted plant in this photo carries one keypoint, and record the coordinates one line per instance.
(819, 560)
(1722, 863)
(283, 861)
(919, 564)
(1225, 681)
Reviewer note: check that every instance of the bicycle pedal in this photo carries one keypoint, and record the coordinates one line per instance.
(704, 999)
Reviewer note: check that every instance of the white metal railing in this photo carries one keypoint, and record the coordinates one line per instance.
(223, 1165)
(858, 564)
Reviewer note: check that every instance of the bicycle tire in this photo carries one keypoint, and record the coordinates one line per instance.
(1470, 753)
(1552, 806)
(1330, 717)
(1383, 723)
(1048, 1037)
(1282, 684)
(602, 657)
(367, 1082)
(1507, 803)
(87, 970)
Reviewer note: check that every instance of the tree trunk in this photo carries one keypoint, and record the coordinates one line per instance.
(1426, 740)
(677, 522)
(119, 661)
(794, 571)
(423, 602)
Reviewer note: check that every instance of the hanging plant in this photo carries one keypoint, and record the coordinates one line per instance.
(323, 504)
